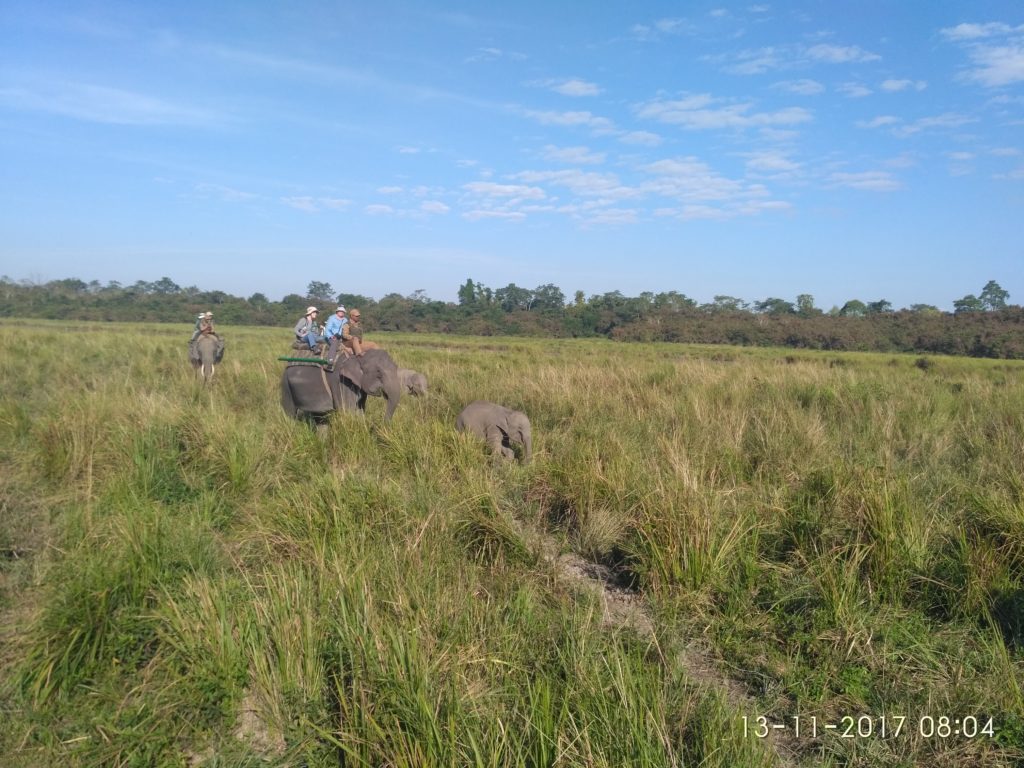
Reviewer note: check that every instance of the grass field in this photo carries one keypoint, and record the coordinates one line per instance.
(710, 541)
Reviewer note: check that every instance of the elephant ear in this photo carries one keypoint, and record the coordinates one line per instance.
(351, 370)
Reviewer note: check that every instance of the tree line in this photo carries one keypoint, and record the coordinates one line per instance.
(982, 325)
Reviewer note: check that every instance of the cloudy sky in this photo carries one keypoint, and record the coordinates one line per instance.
(848, 150)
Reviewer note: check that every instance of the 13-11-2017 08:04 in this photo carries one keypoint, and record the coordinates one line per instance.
(877, 726)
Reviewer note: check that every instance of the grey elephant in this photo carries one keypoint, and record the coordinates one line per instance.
(413, 382)
(205, 353)
(313, 392)
(501, 427)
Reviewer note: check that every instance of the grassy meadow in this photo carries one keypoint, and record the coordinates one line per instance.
(706, 536)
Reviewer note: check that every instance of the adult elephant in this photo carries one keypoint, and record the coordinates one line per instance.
(499, 426)
(204, 354)
(313, 392)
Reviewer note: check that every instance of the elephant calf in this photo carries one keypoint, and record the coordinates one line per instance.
(413, 382)
(499, 426)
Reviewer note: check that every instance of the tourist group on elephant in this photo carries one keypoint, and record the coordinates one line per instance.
(332, 367)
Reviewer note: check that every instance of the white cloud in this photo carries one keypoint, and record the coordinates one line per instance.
(227, 194)
(408, 150)
(854, 90)
(697, 212)
(689, 179)
(573, 155)
(389, 190)
(771, 164)
(666, 26)
(997, 66)
(434, 206)
(514, 191)
(976, 31)
(805, 87)
(840, 54)
(477, 215)
(609, 217)
(1005, 152)
(576, 87)
(894, 86)
(335, 203)
(315, 204)
(586, 184)
(485, 54)
(701, 112)
(572, 119)
(945, 120)
(960, 157)
(379, 210)
(302, 203)
(642, 138)
(671, 26)
(752, 62)
(102, 104)
(901, 161)
(874, 181)
(879, 122)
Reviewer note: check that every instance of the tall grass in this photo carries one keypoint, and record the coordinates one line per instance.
(205, 581)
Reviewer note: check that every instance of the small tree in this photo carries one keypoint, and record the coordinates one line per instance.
(548, 296)
(467, 293)
(878, 307)
(853, 308)
(805, 305)
(773, 306)
(320, 293)
(969, 303)
(993, 296)
(728, 304)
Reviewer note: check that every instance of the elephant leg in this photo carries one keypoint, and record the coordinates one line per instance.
(287, 401)
(494, 438)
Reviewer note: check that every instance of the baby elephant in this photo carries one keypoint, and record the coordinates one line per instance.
(499, 426)
(413, 382)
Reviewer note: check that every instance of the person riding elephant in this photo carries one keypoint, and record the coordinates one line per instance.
(501, 427)
(314, 392)
(333, 332)
(204, 325)
(352, 334)
(307, 332)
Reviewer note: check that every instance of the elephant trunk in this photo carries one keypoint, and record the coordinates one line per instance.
(392, 388)
(527, 447)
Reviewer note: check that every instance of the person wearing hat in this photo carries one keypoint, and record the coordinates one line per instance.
(333, 330)
(306, 330)
(204, 324)
(352, 334)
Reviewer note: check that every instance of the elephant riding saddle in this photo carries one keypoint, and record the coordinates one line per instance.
(301, 349)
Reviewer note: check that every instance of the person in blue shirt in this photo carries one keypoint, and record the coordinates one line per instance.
(333, 331)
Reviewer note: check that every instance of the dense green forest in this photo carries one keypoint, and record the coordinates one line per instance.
(982, 325)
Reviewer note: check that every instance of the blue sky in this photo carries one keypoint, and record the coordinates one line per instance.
(848, 150)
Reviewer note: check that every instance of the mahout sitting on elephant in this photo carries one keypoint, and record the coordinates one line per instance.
(501, 427)
(413, 382)
(206, 352)
(312, 391)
